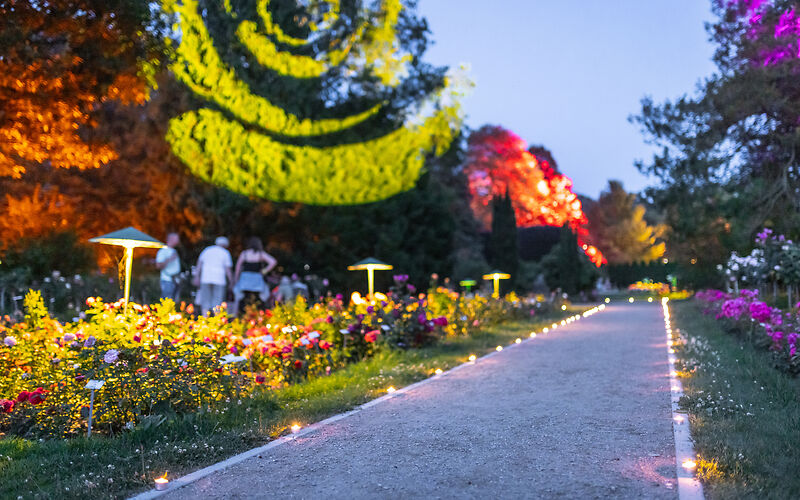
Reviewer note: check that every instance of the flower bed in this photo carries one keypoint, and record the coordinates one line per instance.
(158, 359)
(765, 326)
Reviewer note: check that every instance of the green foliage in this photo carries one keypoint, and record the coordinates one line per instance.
(503, 246)
(61, 251)
(567, 267)
(618, 228)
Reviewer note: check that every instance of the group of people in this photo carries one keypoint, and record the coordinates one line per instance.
(215, 274)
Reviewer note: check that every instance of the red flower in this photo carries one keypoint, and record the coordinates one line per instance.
(37, 396)
(6, 405)
(298, 364)
(23, 396)
(325, 345)
(440, 321)
(260, 379)
(371, 336)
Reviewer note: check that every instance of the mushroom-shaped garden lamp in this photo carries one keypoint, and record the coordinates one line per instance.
(370, 265)
(496, 276)
(129, 238)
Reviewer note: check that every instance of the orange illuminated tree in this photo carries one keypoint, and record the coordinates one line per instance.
(498, 161)
(61, 60)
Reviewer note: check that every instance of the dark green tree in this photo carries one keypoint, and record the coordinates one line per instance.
(503, 246)
(728, 156)
(567, 267)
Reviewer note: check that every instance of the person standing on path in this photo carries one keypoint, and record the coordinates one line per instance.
(214, 268)
(168, 261)
(251, 268)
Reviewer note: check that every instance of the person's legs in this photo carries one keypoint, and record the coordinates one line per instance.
(217, 295)
(206, 299)
(168, 289)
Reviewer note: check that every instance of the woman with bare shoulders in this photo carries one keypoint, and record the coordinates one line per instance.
(251, 268)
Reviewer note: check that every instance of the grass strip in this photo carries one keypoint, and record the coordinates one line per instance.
(745, 413)
(116, 467)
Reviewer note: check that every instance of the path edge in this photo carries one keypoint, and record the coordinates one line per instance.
(689, 487)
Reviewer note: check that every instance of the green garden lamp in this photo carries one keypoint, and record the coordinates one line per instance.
(370, 265)
(468, 284)
(128, 238)
(496, 276)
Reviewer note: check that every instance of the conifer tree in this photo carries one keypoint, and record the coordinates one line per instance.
(503, 245)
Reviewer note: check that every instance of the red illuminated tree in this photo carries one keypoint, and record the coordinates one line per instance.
(498, 161)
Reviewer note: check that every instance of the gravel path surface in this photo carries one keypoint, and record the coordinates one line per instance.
(582, 412)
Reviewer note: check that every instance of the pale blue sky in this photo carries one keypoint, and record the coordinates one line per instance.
(568, 73)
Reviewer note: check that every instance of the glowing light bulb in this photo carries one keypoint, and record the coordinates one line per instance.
(689, 464)
(518, 341)
(533, 335)
(678, 418)
(295, 428)
(545, 330)
(162, 482)
(438, 371)
(499, 348)
(563, 308)
(472, 357)
(649, 299)
(630, 300)
(391, 390)
(607, 300)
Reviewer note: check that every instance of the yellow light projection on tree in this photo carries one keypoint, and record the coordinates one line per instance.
(254, 146)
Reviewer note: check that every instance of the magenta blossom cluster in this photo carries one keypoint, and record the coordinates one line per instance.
(746, 312)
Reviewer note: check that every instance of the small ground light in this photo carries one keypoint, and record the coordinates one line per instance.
(678, 418)
(649, 299)
(563, 308)
(391, 390)
(472, 357)
(295, 428)
(608, 300)
(518, 341)
(438, 371)
(499, 348)
(162, 482)
(533, 334)
(630, 300)
(545, 330)
(689, 464)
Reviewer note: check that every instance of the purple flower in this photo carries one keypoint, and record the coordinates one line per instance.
(412, 289)
(10, 341)
(111, 356)
(422, 319)
(760, 312)
(89, 342)
(370, 309)
(400, 278)
(329, 319)
(69, 337)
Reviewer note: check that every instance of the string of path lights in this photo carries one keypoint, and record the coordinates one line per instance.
(296, 430)
(689, 488)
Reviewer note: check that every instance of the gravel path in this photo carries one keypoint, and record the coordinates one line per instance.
(582, 412)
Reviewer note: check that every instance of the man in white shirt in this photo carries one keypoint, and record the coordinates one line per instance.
(214, 266)
(168, 261)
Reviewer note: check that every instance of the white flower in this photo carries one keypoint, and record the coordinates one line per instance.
(111, 356)
(10, 341)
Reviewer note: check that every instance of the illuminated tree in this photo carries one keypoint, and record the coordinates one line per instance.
(61, 60)
(498, 161)
(618, 227)
(322, 104)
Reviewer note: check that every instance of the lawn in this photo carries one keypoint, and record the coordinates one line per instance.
(119, 466)
(745, 412)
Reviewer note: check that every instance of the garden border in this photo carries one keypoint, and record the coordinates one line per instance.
(206, 471)
(689, 487)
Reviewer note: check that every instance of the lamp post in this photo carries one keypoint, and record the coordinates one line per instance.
(496, 276)
(128, 238)
(468, 284)
(370, 265)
